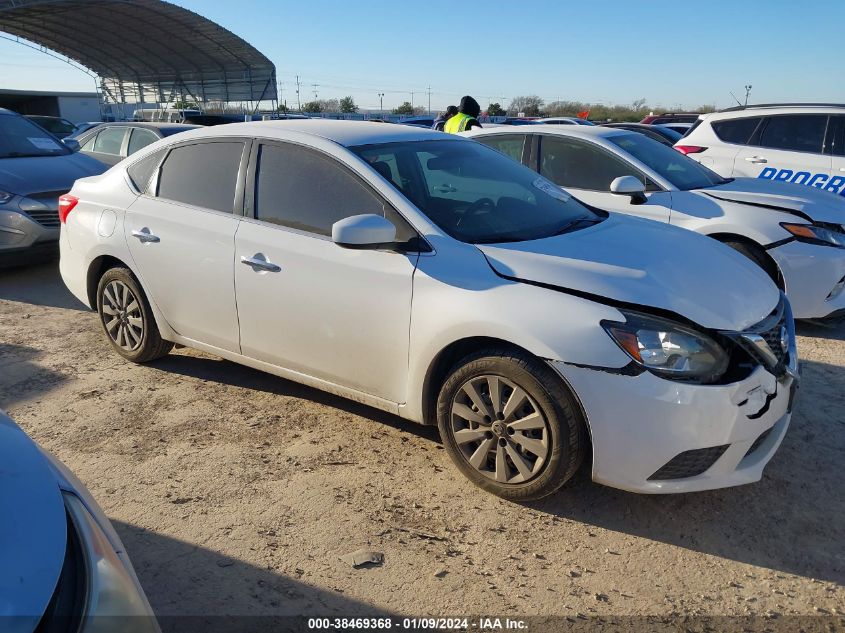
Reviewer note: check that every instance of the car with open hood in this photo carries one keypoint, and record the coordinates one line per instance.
(35, 169)
(429, 276)
(64, 567)
(796, 234)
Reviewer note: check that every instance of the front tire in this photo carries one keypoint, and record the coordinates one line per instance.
(510, 425)
(759, 257)
(127, 318)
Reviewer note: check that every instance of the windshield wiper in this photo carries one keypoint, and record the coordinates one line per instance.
(23, 155)
(575, 224)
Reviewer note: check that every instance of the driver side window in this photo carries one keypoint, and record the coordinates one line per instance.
(571, 163)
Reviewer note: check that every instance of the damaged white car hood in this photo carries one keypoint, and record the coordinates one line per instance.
(820, 205)
(648, 264)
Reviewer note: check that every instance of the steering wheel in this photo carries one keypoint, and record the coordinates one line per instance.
(475, 207)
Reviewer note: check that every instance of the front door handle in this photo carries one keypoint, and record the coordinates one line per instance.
(842, 169)
(258, 262)
(145, 237)
(757, 160)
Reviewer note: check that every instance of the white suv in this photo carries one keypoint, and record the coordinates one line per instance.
(802, 144)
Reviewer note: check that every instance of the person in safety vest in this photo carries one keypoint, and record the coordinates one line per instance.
(440, 121)
(466, 118)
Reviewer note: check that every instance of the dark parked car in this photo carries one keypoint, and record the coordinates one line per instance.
(112, 142)
(670, 117)
(35, 169)
(55, 125)
(660, 133)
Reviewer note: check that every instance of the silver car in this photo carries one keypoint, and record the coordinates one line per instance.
(35, 169)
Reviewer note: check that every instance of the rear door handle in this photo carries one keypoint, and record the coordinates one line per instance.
(757, 160)
(842, 169)
(144, 236)
(258, 262)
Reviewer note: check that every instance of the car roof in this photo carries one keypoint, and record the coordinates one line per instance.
(775, 109)
(150, 124)
(586, 131)
(346, 133)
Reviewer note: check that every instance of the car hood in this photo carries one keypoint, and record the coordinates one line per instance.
(820, 205)
(647, 264)
(36, 174)
(32, 529)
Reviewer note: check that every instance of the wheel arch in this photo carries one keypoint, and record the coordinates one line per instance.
(443, 362)
(98, 267)
(772, 267)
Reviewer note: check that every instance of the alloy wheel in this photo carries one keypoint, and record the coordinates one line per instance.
(500, 430)
(122, 316)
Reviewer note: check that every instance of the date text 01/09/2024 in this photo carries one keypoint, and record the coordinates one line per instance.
(419, 624)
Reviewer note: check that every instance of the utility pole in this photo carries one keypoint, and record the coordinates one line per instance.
(429, 100)
(381, 102)
(298, 103)
(315, 90)
(412, 101)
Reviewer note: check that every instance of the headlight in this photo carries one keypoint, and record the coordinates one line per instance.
(113, 598)
(668, 349)
(817, 233)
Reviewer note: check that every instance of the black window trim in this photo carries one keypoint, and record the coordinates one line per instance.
(754, 139)
(651, 185)
(238, 207)
(251, 182)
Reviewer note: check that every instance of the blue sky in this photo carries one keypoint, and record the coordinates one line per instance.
(615, 51)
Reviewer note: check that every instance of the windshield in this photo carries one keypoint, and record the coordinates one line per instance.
(20, 137)
(684, 173)
(54, 125)
(474, 193)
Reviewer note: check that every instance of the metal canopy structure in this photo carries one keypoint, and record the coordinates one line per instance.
(146, 50)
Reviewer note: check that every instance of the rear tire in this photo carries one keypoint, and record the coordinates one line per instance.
(510, 424)
(127, 318)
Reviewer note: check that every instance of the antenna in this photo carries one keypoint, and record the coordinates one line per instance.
(738, 102)
(747, 92)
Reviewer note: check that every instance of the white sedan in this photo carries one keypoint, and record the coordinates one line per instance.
(796, 234)
(430, 276)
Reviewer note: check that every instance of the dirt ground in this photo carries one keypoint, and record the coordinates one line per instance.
(236, 492)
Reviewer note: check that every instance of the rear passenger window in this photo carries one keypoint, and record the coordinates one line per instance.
(301, 189)
(794, 132)
(509, 144)
(141, 171)
(202, 175)
(736, 131)
(110, 140)
(570, 163)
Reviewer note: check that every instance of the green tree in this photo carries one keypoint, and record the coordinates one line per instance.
(405, 108)
(181, 104)
(347, 105)
(495, 109)
(312, 107)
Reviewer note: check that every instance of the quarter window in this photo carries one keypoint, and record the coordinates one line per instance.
(141, 171)
(571, 163)
(795, 132)
(140, 139)
(510, 145)
(301, 189)
(202, 175)
(110, 140)
(736, 131)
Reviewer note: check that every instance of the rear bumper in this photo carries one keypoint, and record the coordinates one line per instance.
(639, 424)
(810, 274)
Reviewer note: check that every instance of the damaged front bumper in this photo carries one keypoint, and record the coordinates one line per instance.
(659, 436)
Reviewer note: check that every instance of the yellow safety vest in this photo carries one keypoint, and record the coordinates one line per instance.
(457, 123)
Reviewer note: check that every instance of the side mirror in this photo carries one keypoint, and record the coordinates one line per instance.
(363, 231)
(629, 186)
(71, 143)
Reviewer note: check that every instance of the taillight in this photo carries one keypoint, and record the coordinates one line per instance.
(66, 204)
(690, 149)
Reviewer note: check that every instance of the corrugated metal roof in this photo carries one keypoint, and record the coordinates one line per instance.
(146, 49)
